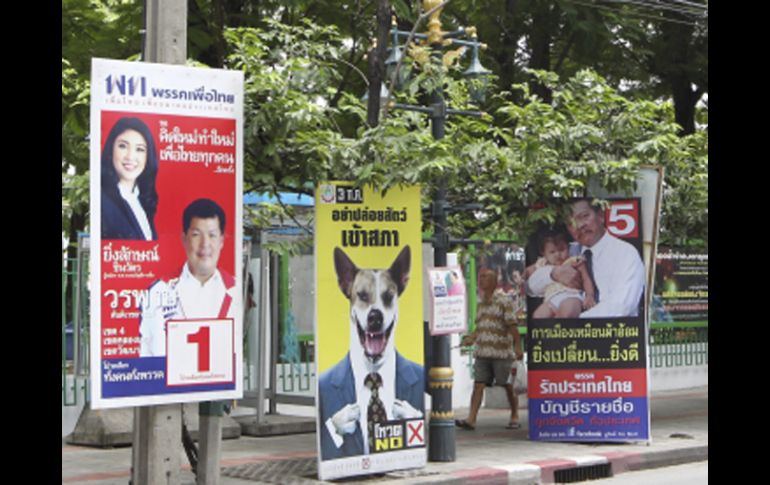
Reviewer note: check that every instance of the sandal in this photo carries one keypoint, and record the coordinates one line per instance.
(461, 423)
(513, 425)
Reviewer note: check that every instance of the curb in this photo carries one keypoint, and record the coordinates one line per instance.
(543, 471)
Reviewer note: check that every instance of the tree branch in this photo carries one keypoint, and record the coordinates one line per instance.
(564, 52)
(290, 214)
(351, 58)
(392, 79)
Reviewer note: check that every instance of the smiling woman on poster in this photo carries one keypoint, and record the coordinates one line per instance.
(129, 168)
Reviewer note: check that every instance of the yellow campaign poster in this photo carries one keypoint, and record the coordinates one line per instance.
(369, 330)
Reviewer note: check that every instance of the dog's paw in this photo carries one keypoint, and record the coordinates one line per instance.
(345, 419)
(404, 410)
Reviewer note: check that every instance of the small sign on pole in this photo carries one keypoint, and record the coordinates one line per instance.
(448, 301)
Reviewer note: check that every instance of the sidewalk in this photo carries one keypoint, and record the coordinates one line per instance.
(490, 454)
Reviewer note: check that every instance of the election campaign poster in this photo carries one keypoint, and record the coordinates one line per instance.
(369, 330)
(586, 351)
(681, 286)
(166, 233)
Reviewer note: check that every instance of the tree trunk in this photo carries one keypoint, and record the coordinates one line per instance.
(540, 40)
(218, 22)
(685, 100)
(376, 62)
(675, 64)
(506, 57)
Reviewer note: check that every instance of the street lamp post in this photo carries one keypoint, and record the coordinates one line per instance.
(441, 443)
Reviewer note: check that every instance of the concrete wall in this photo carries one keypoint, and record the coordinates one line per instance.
(666, 379)
(302, 292)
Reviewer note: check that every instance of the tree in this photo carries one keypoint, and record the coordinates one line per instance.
(107, 28)
(523, 154)
(658, 48)
(680, 58)
(548, 133)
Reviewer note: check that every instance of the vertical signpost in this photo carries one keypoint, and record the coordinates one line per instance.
(166, 211)
(448, 299)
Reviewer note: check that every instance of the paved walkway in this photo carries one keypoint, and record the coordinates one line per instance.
(490, 454)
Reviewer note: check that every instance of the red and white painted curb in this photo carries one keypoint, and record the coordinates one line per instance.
(542, 471)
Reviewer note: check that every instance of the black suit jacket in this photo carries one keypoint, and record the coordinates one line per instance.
(337, 389)
(119, 221)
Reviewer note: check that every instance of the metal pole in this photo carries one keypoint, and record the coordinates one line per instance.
(157, 446)
(441, 445)
(275, 331)
(264, 317)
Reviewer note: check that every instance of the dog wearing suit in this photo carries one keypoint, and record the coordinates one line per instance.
(372, 370)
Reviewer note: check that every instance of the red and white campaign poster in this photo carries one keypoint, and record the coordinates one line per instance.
(166, 232)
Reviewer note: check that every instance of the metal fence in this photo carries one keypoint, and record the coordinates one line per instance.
(679, 344)
(74, 330)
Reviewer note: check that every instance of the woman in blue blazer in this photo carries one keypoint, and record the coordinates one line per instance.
(129, 169)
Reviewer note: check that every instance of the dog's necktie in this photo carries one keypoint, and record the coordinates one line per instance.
(590, 267)
(375, 412)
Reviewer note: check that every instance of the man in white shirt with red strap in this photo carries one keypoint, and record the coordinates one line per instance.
(201, 290)
(616, 266)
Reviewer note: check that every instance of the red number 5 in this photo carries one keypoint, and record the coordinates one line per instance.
(202, 338)
(621, 220)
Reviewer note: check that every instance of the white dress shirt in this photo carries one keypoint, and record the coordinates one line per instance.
(180, 298)
(619, 274)
(200, 300)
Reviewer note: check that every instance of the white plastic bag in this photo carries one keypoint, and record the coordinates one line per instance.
(520, 377)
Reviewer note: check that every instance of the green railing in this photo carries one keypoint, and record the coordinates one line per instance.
(298, 376)
(74, 384)
(672, 344)
(679, 344)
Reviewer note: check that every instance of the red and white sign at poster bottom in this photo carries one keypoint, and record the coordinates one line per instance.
(415, 433)
(200, 352)
(603, 383)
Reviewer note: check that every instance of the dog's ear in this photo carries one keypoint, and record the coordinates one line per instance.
(346, 271)
(399, 270)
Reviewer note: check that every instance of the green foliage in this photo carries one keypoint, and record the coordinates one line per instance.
(524, 153)
(288, 74)
(74, 114)
(90, 28)
(304, 122)
(293, 137)
(684, 215)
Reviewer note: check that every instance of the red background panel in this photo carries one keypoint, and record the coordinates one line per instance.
(587, 383)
